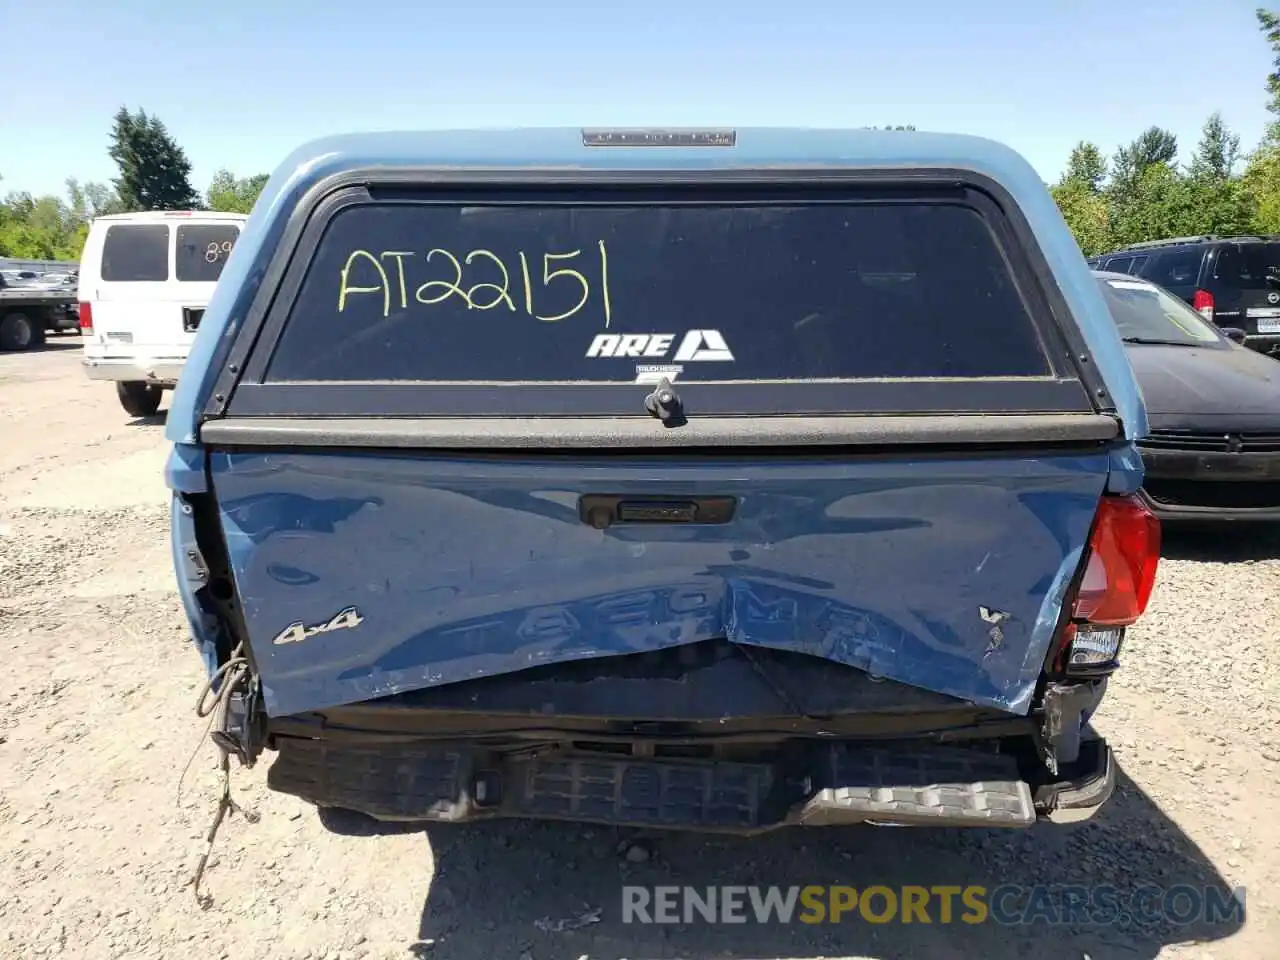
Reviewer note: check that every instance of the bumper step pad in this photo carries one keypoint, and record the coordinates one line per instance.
(939, 787)
(838, 785)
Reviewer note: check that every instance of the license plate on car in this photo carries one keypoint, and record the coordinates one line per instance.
(1269, 325)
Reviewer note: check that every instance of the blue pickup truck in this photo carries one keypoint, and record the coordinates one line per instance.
(704, 479)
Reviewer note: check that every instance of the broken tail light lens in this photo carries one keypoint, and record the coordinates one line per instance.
(1120, 573)
(1091, 648)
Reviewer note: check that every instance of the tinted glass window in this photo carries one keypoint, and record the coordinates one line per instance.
(1118, 264)
(1248, 265)
(136, 253)
(1177, 268)
(202, 250)
(627, 293)
(1146, 312)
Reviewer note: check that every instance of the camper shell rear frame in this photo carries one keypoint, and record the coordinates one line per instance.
(240, 391)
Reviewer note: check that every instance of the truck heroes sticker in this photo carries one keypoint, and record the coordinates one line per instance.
(697, 346)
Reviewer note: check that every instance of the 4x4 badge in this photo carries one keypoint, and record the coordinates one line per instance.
(297, 631)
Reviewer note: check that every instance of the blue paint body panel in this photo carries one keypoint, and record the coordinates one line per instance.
(192, 576)
(465, 568)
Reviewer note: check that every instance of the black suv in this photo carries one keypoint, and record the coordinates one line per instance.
(1232, 281)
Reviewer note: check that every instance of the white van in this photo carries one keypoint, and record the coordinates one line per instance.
(145, 279)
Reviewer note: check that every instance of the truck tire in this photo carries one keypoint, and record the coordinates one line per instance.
(138, 399)
(19, 332)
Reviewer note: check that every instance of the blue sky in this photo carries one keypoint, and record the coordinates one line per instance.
(241, 84)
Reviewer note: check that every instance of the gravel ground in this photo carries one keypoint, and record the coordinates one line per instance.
(97, 723)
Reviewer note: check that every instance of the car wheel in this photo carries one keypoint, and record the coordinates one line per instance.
(18, 332)
(138, 399)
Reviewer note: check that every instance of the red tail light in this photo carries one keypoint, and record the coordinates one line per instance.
(1120, 571)
(1123, 553)
(1203, 302)
(86, 318)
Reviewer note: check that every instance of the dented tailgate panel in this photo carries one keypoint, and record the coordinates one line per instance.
(368, 574)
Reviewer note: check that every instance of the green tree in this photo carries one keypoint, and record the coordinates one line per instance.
(1086, 166)
(89, 200)
(44, 234)
(230, 194)
(1262, 171)
(1143, 174)
(1220, 202)
(1078, 195)
(48, 227)
(1261, 181)
(1216, 154)
(1153, 147)
(84, 202)
(155, 173)
(1269, 23)
(1157, 203)
(1086, 214)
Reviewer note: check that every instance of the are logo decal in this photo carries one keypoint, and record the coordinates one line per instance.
(298, 631)
(697, 346)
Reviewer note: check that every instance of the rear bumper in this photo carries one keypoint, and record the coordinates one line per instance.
(162, 372)
(1188, 485)
(1079, 797)
(835, 784)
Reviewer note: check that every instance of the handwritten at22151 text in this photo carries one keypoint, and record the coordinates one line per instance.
(482, 280)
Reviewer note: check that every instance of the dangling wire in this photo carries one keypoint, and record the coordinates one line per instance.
(232, 672)
(213, 703)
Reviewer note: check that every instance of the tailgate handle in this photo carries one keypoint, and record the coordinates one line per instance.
(604, 510)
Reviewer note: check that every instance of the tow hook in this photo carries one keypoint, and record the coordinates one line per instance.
(1067, 708)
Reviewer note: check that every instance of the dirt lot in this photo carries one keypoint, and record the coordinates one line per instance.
(97, 723)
